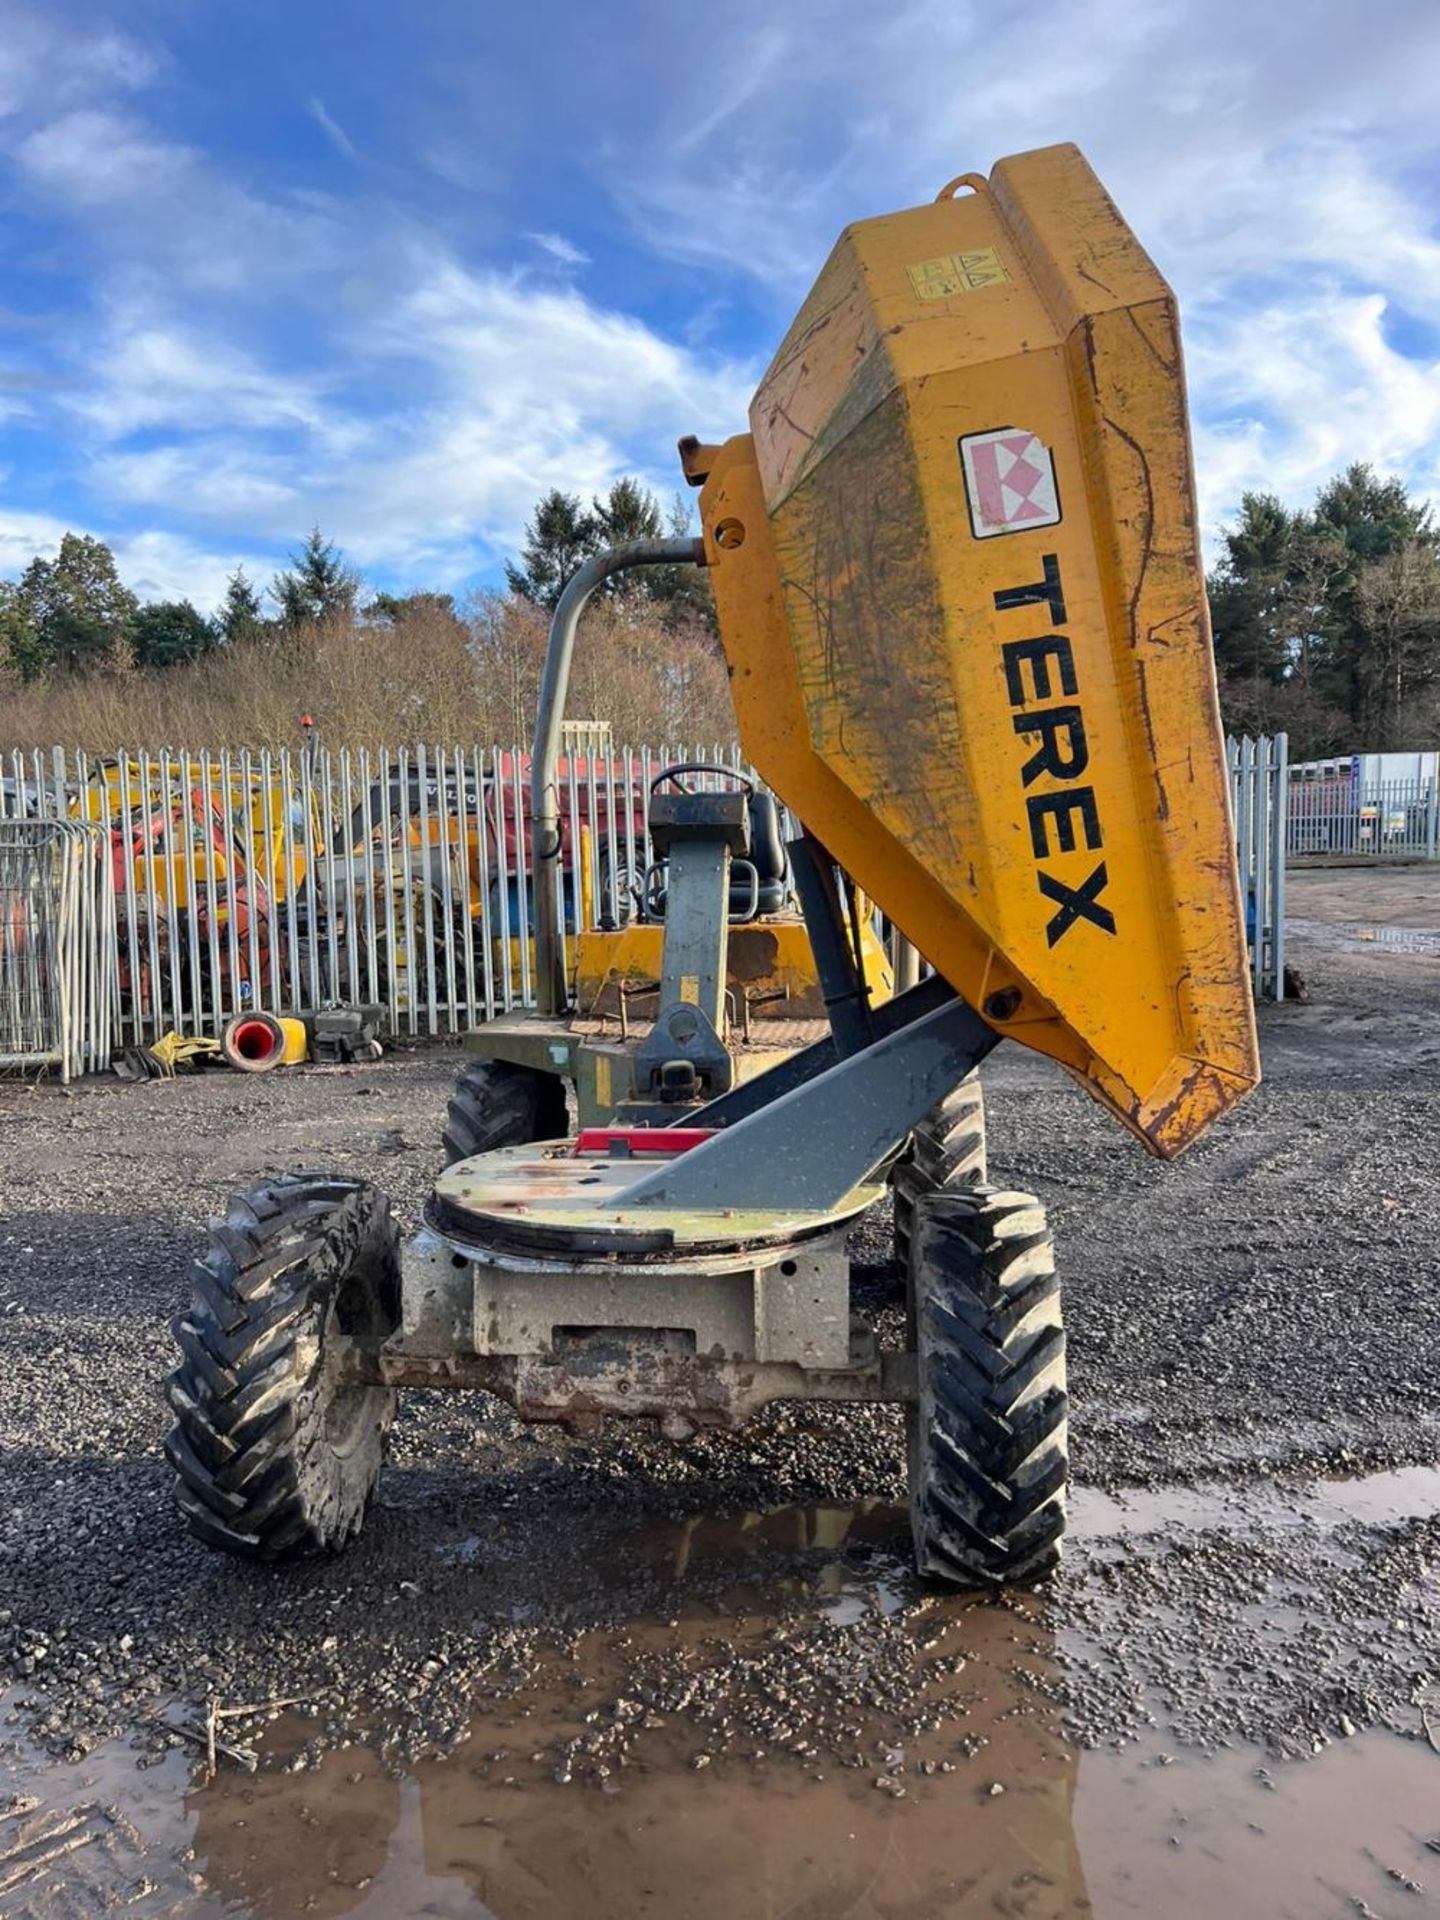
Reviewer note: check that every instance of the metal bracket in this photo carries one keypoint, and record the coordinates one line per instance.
(813, 1145)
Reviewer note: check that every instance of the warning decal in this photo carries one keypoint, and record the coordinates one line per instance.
(955, 273)
(1009, 482)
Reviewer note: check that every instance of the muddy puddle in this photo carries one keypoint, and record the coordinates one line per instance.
(1379, 1498)
(1107, 1835)
(804, 1733)
(1356, 935)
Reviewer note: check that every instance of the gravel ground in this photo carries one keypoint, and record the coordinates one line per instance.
(1255, 1318)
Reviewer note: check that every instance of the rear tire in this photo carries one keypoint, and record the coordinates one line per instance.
(275, 1453)
(947, 1150)
(987, 1435)
(496, 1104)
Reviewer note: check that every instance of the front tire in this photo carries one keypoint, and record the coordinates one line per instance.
(987, 1434)
(947, 1150)
(275, 1452)
(496, 1104)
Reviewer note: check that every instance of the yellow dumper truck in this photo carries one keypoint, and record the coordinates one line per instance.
(960, 591)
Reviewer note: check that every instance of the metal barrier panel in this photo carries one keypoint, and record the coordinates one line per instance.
(57, 946)
(399, 878)
(1259, 783)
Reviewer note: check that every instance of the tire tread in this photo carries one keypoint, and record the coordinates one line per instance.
(988, 1434)
(253, 1476)
(497, 1104)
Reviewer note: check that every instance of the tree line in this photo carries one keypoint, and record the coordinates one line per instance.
(87, 664)
(1327, 619)
(1326, 626)
(74, 614)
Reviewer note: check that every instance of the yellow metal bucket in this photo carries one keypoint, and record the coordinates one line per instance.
(960, 589)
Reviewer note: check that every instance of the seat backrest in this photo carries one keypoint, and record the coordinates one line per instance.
(767, 843)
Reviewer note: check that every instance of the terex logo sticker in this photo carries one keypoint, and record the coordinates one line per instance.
(1009, 482)
(1047, 713)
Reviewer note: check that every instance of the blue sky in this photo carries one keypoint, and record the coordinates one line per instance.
(397, 269)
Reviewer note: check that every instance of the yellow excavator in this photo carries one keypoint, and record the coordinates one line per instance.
(957, 568)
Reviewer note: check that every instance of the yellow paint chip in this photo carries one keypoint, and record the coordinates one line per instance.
(690, 988)
(957, 273)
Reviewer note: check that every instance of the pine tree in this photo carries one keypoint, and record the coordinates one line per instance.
(240, 617)
(1267, 596)
(19, 642)
(560, 535)
(1374, 517)
(628, 512)
(317, 585)
(1369, 671)
(1327, 623)
(165, 632)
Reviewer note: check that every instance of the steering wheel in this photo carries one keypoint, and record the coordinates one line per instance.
(676, 776)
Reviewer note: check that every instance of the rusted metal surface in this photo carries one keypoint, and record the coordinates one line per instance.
(572, 1329)
(546, 1199)
(584, 1389)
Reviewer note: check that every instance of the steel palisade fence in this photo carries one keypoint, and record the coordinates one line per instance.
(1345, 816)
(290, 880)
(1259, 782)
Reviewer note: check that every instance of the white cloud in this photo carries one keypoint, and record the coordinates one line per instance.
(91, 158)
(1297, 390)
(44, 60)
(331, 128)
(561, 249)
(1210, 122)
(212, 479)
(154, 565)
(154, 373)
(165, 566)
(167, 218)
(525, 389)
(23, 535)
(1294, 146)
(452, 395)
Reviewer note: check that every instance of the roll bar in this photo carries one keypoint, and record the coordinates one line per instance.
(551, 988)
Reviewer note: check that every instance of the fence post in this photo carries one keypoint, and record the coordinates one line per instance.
(1280, 819)
(1261, 839)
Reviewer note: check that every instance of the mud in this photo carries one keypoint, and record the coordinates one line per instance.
(624, 1678)
(616, 1780)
